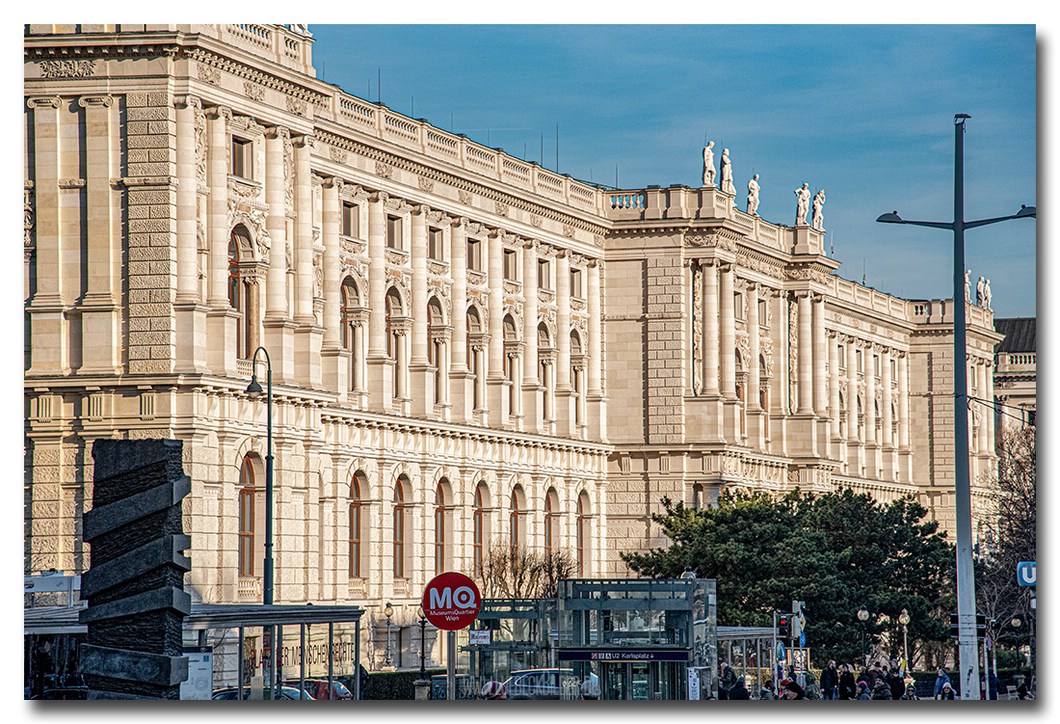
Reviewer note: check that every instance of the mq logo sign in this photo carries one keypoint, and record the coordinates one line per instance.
(451, 601)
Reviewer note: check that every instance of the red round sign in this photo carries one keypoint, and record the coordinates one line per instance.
(451, 601)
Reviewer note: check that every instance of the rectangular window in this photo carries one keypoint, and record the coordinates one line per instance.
(842, 357)
(544, 274)
(242, 158)
(576, 284)
(876, 366)
(474, 255)
(351, 219)
(861, 361)
(435, 241)
(393, 232)
(511, 265)
(762, 312)
(894, 369)
(737, 304)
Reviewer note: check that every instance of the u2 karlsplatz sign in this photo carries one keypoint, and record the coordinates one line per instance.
(451, 601)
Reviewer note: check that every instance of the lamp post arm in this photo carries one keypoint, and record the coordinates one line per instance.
(929, 224)
(985, 222)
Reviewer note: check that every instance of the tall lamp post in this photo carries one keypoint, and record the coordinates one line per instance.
(863, 616)
(966, 612)
(254, 389)
(903, 618)
(388, 611)
(423, 643)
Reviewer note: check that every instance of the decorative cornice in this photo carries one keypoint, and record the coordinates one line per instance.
(67, 68)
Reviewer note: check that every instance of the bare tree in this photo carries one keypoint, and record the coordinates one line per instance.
(513, 571)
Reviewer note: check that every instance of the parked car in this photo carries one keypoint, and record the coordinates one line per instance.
(318, 688)
(538, 683)
(286, 693)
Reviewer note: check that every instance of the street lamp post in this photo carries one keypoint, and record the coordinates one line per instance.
(254, 389)
(966, 610)
(388, 611)
(423, 644)
(863, 616)
(903, 618)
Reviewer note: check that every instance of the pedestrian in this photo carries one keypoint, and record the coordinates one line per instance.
(363, 676)
(739, 690)
(494, 690)
(765, 694)
(863, 690)
(881, 690)
(896, 681)
(1022, 692)
(792, 690)
(910, 693)
(830, 681)
(590, 688)
(947, 693)
(942, 678)
(726, 681)
(848, 689)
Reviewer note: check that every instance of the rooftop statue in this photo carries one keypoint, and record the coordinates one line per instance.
(708, 164)
(803, 196)
(726, 173)
(752, 195)
(818, 214)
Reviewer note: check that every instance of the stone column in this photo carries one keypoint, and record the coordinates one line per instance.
(564, 418)
(188, 311)
(100, 340)
(871, 439)
(596, 404)
(727, 325)
(805, 358)
(988, 394)
(308, 335)
(986, 412)
(335, 360)
(531, 385)
(905, 469)
(279, 337)
(711, 372)
(753, 408)
(833, 386)
(379, 371)
(48, 327)
(495, 363)
(820, 355)
(422, 389)
(889, 458)
(218, 232)
(852, 391)
(458, 370)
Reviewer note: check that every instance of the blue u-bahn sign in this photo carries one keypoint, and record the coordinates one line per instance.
(1027, 573)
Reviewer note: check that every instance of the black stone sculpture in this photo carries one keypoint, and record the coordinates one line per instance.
(135, 585)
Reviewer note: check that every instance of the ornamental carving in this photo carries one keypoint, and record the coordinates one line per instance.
(396, 258)
(598, 240)
(711, 239)
(383, 170)
(748, 262)
(288, 253)
(288, 170)
(426, 184)
(209, 74)
(67, 68)
(806, 273)
(242, 191)
(535, 220)
(465, 197)
(27, 206)
(253, 91)
(577, 305)
(253, 217)
(766, 353)
(318, 274)
(501, 208)
(350, 247)
(568, 231)
(295, 105)
(338, 155)
(511, 287)
(201, 144)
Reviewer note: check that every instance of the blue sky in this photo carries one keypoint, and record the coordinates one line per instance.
(864, 111)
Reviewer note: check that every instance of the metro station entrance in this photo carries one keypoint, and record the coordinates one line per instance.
(641, 680)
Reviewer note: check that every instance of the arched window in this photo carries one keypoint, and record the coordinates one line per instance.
(551, 521)
(351, 337)
(247, 495)
(515, 518)
(435, 356)
(393, 310)
(441, 531)
(478, 522)
(355, 526)
(697, 496)
(399, 521)
(474, 357)
(582, 541)
(240, 294)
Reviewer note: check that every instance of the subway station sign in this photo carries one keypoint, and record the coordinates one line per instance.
(1027, 574)
(624, 655)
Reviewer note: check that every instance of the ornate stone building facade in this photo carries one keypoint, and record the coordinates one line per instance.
(447, 327)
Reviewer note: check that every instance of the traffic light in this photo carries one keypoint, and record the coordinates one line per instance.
(798, 620)
(783, 626)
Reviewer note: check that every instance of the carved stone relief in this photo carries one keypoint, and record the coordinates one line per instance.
(67, 68)
(793, 355)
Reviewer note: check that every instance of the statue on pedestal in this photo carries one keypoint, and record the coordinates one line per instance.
(818, 206)
(968, 285)
(980, 291)
(708, 164)
(726, 173)
(987, 296)
(752, 196)
(803, 196)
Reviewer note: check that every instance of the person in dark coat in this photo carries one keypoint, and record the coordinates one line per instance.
(881, 690)
(830, 681)
(910, 694)
(942, 678)
(739, 690)
(947, 693)
(726, 681)
(897, 683)
(792, 690)
(848, 689)
(863, 690)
